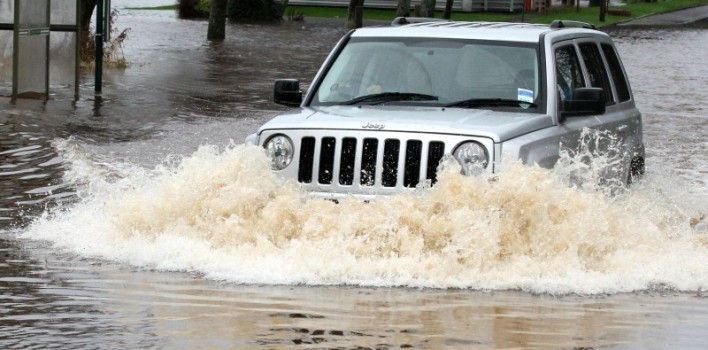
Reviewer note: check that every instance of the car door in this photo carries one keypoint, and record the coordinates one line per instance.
(564, 73)
(611, 132)
(578, 140)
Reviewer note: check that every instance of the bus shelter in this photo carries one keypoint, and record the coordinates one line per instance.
(39, 47)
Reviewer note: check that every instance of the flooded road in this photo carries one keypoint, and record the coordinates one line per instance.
(138, 220)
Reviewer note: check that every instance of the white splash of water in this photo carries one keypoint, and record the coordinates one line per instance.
(224, 214)
(598, 163)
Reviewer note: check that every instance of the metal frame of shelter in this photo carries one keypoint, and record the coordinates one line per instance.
(32, 27)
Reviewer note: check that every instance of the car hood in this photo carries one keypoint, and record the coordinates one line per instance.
(499, 126)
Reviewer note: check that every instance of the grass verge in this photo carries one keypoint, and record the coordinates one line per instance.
(636, 10)
(584, 14)
(164, 7)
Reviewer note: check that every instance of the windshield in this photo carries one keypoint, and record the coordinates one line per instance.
(436, 72)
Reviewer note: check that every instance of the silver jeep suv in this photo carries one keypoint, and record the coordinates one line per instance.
(390, 103)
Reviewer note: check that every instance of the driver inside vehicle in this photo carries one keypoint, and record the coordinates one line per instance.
(414, 79)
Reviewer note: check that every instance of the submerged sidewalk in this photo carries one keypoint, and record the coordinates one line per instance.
(679, 17)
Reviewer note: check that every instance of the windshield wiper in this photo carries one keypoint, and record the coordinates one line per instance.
(490, 102)
(391, 97)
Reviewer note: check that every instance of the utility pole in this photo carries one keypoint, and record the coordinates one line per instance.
(99, 46)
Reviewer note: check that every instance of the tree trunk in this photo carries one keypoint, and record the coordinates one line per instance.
(351, 13)
(428, 8)
(87, 7)
(448, 9)
(87, 44)
(254, 11)
(217, 20)
(404, 8)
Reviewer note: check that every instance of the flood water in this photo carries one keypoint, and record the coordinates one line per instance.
(139, 220)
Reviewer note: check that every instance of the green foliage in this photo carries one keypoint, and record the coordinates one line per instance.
(163, 7)
(295, 15)
(204, 8)
(254, 10)
(193, 8)
(113, 55)
(236, 11)
(483, 16)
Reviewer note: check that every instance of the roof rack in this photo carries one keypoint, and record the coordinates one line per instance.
(570, 24)
(400, 21)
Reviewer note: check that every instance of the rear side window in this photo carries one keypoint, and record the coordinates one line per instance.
(616, 71)
(596, 69)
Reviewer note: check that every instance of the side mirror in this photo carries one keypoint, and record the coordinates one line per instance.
(287, 92)
(585, 101)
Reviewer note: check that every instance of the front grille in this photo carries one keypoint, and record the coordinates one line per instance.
(326, 170)
(347, 161)
(369, 162)
(307, 156)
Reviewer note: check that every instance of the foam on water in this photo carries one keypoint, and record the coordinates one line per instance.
(225, 215)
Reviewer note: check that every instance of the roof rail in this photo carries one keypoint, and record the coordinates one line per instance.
(400, 21)
(570, 24)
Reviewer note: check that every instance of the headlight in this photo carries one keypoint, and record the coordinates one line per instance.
(472, 156)
(280, 150)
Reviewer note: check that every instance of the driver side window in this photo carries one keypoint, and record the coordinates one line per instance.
(568, 73)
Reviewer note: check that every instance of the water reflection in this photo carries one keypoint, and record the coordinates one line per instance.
(67, 301)
(30, 169)
(48, 302)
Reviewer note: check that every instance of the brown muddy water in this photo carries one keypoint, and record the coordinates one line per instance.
(139, 220)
